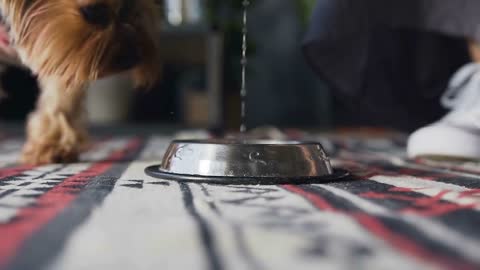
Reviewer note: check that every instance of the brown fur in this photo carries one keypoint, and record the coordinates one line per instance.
(55, 41)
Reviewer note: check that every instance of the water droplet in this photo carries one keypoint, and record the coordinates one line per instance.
(244, 63)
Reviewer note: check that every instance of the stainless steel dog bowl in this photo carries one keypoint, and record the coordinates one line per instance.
(250, 161)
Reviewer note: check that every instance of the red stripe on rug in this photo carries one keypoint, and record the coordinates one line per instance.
(407, 246)
(316, 200)
(51, 203)
(445, 166)
(377, 228)
(8, 172)
(422, 206)
(17, 170)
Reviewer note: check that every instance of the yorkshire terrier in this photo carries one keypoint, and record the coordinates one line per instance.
(67, 44)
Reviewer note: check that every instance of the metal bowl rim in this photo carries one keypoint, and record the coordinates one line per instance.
(247, 142)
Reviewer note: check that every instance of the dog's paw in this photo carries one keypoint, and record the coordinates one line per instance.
(53, 139)
(47, 153)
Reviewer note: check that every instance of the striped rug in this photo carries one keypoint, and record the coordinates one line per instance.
(105, 213)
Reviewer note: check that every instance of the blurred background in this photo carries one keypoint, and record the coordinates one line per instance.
(403, 74)
(201, 47)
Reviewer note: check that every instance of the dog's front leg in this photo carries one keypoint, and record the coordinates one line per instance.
(56, 131)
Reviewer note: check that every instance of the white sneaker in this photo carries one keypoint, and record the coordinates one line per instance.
(456, 135)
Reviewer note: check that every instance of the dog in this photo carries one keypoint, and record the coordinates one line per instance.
(67, 44)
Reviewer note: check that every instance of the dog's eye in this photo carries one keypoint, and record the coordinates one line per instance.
(97, 14)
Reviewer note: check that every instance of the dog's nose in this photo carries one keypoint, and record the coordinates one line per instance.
(129, 54)
(127, 58)
(96, 14)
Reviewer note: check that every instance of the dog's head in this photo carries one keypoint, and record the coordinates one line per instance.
(83, 40)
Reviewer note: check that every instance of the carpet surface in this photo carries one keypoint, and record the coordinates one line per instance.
(105, 213)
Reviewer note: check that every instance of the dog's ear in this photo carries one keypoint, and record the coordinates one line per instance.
(15, 7)
(12, 12)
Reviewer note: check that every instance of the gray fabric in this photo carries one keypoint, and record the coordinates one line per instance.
(369, 49)
(283, 91)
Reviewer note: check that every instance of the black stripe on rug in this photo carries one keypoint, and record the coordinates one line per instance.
(406, 230)
(205, 232)
(33, 254)
(461, 220)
